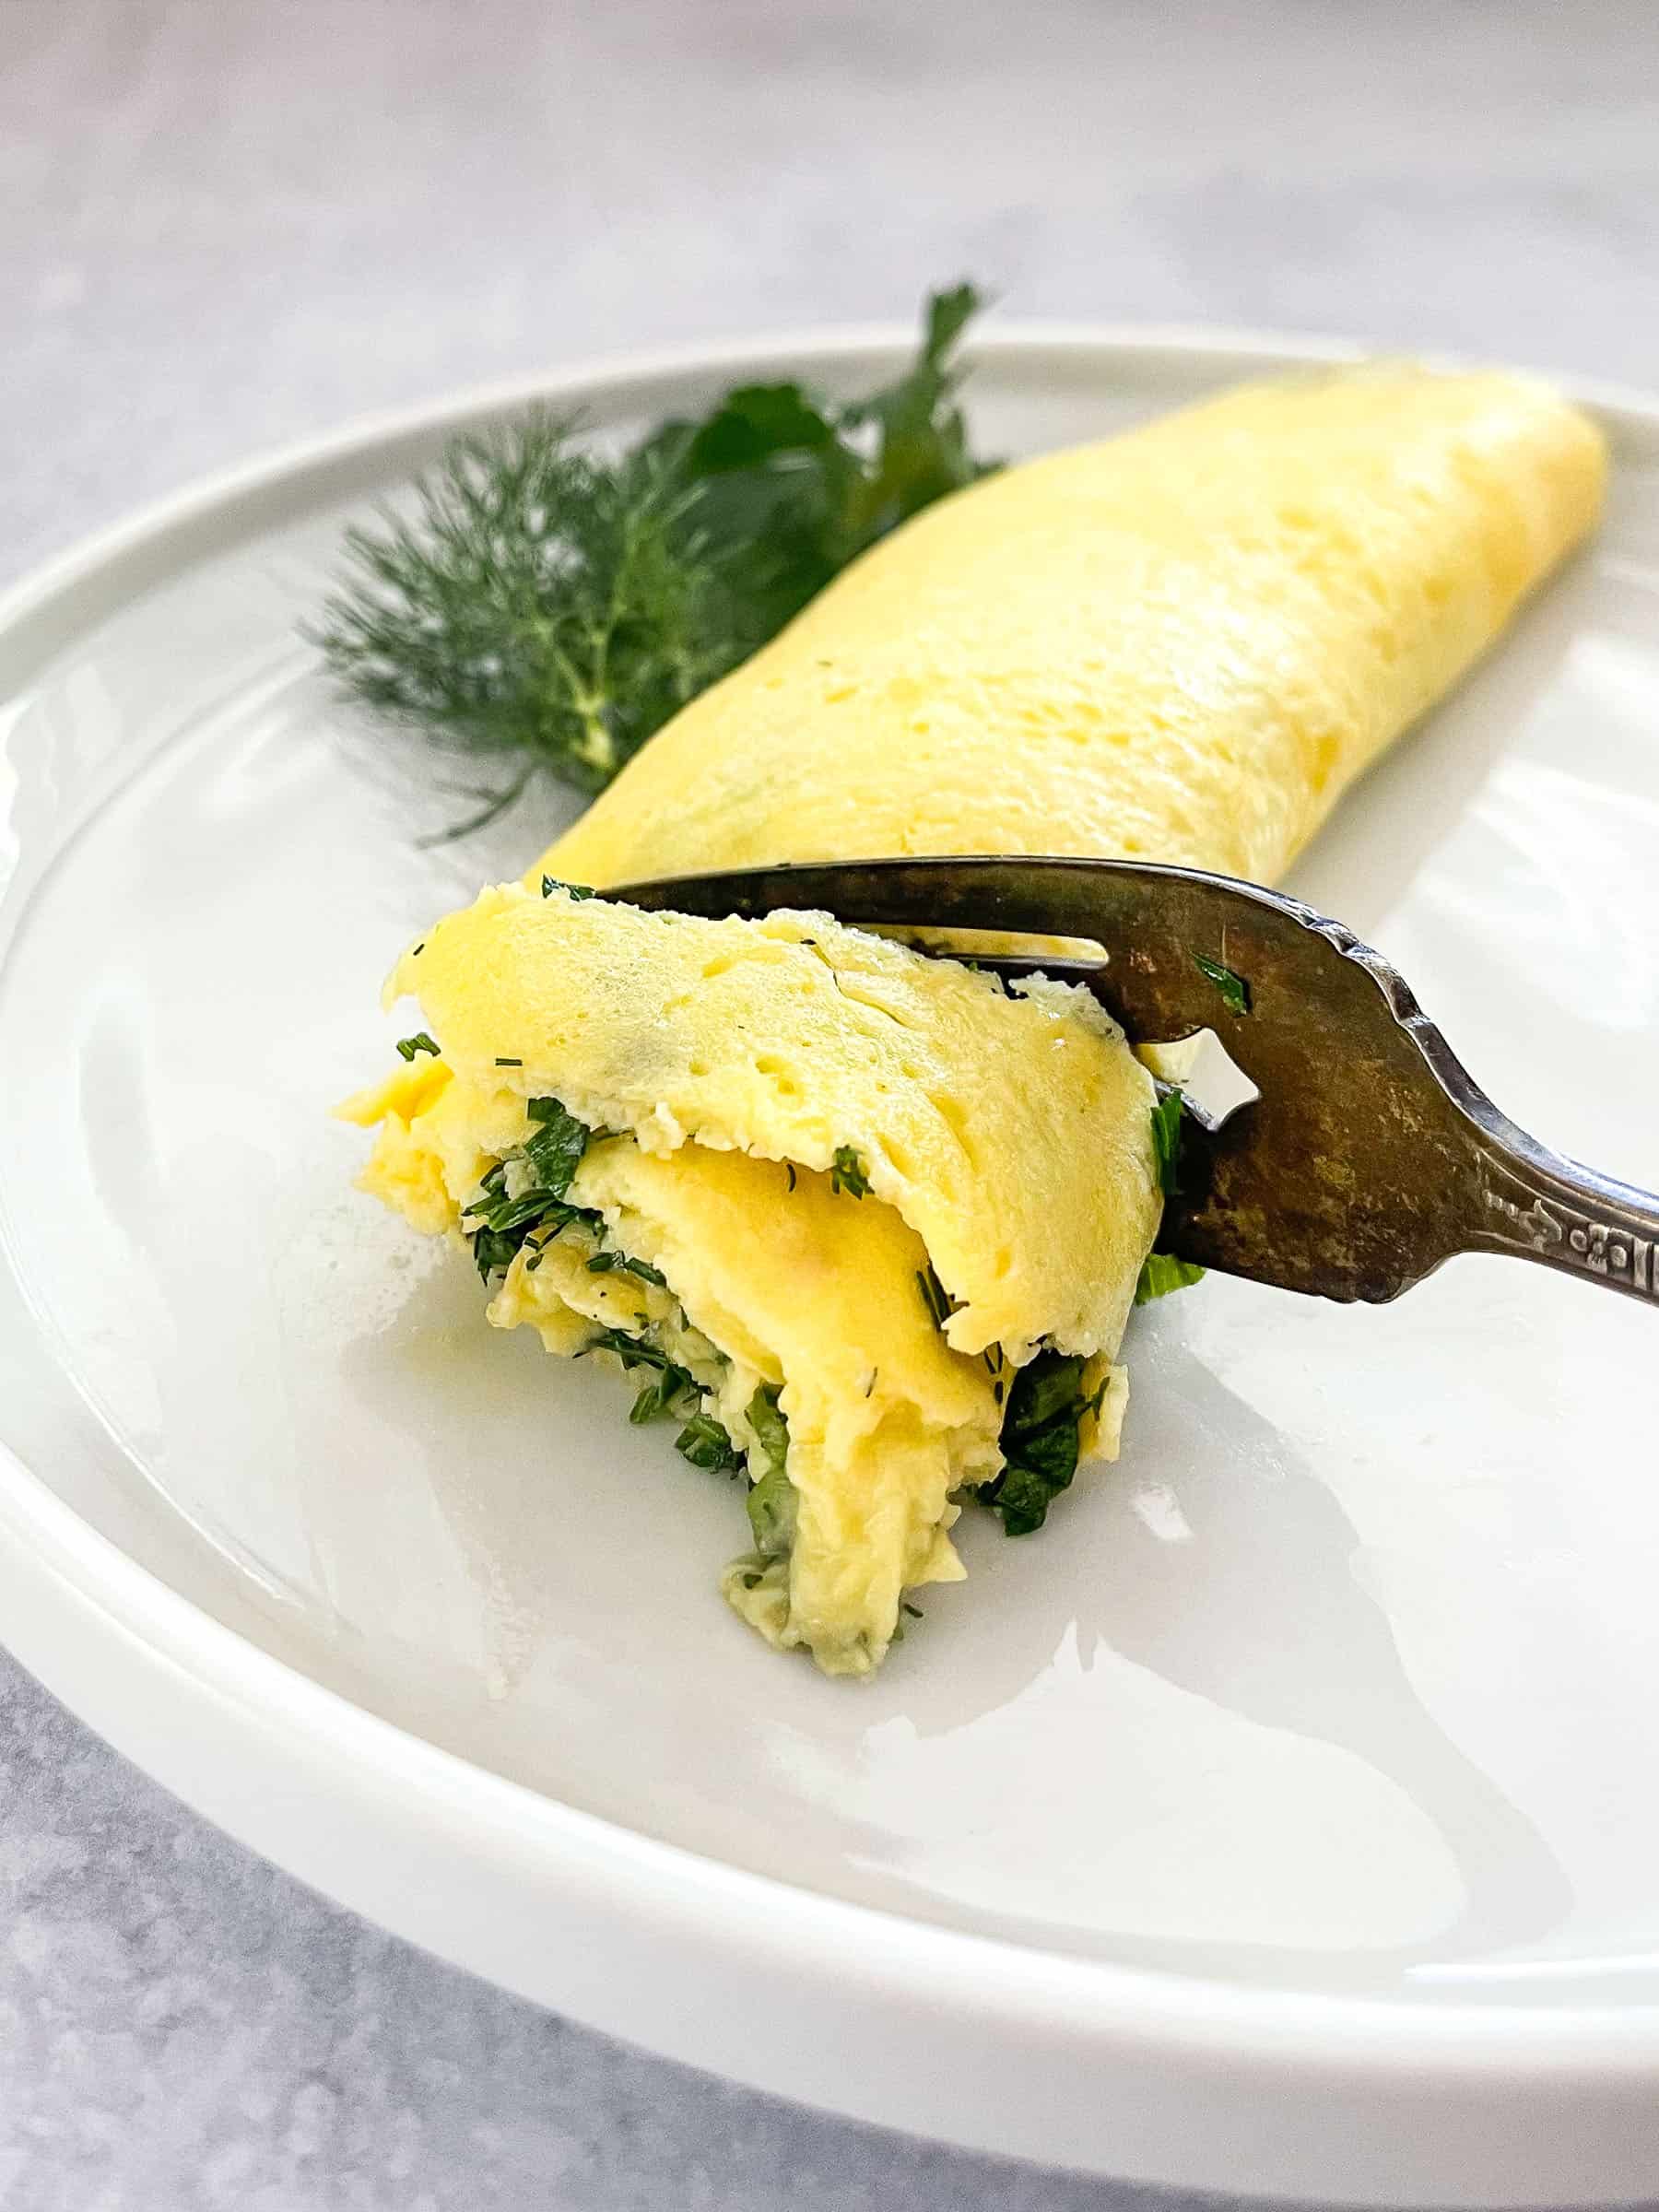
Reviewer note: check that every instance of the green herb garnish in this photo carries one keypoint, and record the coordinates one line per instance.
(619, 1263)
(1233, 988)
(674, 1392)
(420, 1042)
(500, 1224)
(848, 1173)
(494, 1251)
(1166, 1139)
(705, 1444)
(673, 1389)
(546, 608)
(572, 891)
(500, 1062)
(773, 1500)
(768, 1423)
(1040, 1429)
(497, 1222)
(633, 1351)
(1160, 1273)
(556, 1149)
(934, 1297)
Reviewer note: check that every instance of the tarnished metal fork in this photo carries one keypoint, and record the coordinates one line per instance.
(1369, 1155)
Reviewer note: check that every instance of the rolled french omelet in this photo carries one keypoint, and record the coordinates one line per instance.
(1178, 645)
(866, 1224)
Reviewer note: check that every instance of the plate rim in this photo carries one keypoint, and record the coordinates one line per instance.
(1282, 2047)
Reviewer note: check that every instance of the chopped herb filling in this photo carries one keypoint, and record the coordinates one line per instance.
(1041, 1434)
(675, 1394)
(556, 1149)
(705, 1444)
(1160, 1273)
(500, 1219)
(1166, 1139)
(773, 1500)
(619, 1263)
(848, 1173)
(934, 1297)
(1234, 989)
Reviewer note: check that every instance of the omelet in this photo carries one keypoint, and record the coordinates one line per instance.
(866, 1224)
(1181, 644)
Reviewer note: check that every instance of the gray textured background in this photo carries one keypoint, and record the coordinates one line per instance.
(231, 223)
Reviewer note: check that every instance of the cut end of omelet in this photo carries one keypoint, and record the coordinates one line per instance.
(862, 1224)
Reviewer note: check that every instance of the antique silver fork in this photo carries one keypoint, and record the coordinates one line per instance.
(1369, 1154)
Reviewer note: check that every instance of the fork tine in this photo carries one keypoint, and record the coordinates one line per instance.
(1344, 1178)
(1369, 1155)
(1141, 907)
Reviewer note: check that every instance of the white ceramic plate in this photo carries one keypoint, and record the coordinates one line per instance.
(1283, 1818)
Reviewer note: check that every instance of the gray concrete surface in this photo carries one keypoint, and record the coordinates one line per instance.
(225, 225)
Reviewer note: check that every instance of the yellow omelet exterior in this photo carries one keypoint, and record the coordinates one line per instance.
(1181, 644)
(1003, 1147)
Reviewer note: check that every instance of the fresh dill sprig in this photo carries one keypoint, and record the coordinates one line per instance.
(546, 607)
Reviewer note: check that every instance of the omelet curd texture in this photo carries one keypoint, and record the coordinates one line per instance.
(865, 1187)
(1181, 644)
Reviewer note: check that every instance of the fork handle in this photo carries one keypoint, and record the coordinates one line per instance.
(1534, 1202)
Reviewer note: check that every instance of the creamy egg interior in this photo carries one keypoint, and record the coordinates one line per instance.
(864, 1224)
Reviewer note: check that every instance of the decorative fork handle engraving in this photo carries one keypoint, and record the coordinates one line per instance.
(1550, 1208)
